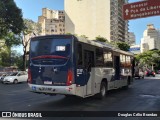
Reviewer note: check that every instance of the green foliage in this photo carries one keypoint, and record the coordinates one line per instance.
(71, 34)
(123, 46)
(10, 18)
(101, 39)
(68, 34)
(5, 58)
(19, 62)
(149, 58)
(84, 36)
(12, 40)
(30, 28)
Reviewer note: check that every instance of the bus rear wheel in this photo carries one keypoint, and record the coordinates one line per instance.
(103, 89)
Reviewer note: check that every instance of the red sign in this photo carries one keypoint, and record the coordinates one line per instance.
(141, 9)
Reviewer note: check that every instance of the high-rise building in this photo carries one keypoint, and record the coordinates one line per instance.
(96, 17)
(52, 22)
(151, 39)
(132, 38)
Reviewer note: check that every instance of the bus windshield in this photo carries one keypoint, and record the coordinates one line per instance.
(50, 51)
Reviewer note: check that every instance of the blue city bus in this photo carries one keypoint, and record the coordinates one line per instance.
(68, 65)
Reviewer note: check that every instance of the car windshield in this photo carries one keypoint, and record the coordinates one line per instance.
(13, 74)
(4, 75)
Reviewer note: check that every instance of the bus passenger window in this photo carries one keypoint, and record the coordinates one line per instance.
(99, 57)
(79, 55)
(108, 60)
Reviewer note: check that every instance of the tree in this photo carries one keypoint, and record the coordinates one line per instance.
(84, 36)
(17, 59)
(12, 40)
(71, 34)
(10, 18)
(68, 34)
(101, 39)
(31, 29)
(123, 46)
(149, 59)
(8, 41)
(5, 58)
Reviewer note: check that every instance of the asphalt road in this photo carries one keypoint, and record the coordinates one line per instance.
(143, 95)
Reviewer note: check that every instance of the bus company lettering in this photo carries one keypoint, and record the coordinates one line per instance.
(25, 115)
(34, 115)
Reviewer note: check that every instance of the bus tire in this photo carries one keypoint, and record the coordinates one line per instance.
(103, 90)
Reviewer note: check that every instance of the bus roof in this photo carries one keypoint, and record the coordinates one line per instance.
(84, 40)
(104, 45)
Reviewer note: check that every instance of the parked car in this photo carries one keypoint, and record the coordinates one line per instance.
(150, 73)
(139, 74)
(16, 77)
(158, 72)
(2, 77)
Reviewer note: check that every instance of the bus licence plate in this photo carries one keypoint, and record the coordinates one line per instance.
(48, 82)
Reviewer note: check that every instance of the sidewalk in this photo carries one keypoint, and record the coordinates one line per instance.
(157, 76)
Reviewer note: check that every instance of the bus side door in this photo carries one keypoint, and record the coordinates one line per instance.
(85, 62)
(88, 64)
(117, 71)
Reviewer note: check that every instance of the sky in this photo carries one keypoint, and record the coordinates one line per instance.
(31, 9)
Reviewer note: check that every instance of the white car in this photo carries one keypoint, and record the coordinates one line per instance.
(16, 77)
(139, 74)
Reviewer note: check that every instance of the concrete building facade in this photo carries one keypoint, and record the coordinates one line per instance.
(151, 39)
(132, 38)
(52, 22)
(96, 17)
